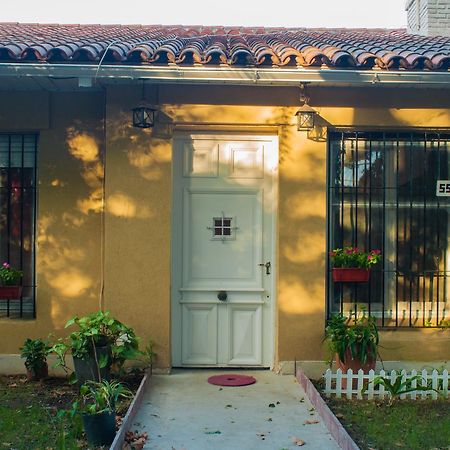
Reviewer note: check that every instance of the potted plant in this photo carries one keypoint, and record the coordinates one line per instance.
(352, 265)
(100, 343)
(353, 342)
(98, 408)
(10, 278)
(35, 352)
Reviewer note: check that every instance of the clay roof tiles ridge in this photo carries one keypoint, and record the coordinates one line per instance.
(210, 45)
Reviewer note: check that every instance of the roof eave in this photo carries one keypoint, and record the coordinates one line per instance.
(229, 75)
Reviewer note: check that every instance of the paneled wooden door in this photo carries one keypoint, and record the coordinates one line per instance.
(223, 250)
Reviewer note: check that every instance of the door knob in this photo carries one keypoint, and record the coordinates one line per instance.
(267, 266)
(222, 296)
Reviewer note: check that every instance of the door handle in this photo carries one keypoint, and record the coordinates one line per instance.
(267, 265)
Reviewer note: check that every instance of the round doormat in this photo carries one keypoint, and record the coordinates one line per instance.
(231, 379)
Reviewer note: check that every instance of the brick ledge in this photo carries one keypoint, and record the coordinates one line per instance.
(331, 422)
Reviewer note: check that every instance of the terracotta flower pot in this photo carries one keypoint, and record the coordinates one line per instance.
(350, 275)
(10, 292)
(354, 364)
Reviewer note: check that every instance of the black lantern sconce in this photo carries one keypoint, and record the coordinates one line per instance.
(305, 115)
(144, 114)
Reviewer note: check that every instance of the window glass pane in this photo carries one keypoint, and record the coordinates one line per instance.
(15, 159)
(4, 159)
(29, 159)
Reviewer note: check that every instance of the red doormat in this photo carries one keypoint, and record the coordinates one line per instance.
(231, 380)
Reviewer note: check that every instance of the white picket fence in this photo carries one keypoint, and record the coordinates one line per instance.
(355, 382)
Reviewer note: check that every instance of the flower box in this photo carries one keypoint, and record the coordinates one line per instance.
(10, 292)
(10, 282)
(350, 275)
(350, 265)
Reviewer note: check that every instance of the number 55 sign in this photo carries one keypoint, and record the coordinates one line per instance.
(443, 188)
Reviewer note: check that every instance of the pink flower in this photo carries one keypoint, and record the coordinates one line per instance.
(6, 265)
(376, 252)
(333, 254)
(349, 251)
(370, 257)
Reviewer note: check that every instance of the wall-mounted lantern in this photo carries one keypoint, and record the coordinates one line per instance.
(306, 114)
(144, 113)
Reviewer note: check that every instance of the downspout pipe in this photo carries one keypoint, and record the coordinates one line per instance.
(229, 75)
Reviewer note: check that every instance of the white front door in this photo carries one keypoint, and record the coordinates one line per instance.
(223, 261)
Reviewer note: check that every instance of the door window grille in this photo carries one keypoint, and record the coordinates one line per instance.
(222, 226)
(17, 217)
(382, 195)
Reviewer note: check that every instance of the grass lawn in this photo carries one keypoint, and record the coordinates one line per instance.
(28, 414)
(411, 425)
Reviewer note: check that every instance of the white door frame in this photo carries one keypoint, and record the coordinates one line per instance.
(177, 218)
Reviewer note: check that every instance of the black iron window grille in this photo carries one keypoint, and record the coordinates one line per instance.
(384, 194)
(18, 154)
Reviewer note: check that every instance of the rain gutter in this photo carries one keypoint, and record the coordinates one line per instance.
(228, 75)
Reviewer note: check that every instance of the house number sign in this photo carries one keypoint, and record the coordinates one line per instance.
(443, 188)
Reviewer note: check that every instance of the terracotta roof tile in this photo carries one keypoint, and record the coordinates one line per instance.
(212, 45)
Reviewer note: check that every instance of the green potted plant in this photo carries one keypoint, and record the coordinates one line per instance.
(35, 352)
(353, 342)
(100, 343)
(10, 282)
(98, 409)
(352, 265)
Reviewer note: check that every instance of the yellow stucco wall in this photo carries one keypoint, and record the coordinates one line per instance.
(136, 228)
(68, 225)
(138, 225)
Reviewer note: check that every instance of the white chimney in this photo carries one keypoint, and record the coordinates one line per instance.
(428, 17)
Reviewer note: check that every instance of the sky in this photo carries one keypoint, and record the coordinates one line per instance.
(287, 13)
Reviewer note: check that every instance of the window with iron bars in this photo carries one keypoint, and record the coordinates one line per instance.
(383, 195)
(18, 154)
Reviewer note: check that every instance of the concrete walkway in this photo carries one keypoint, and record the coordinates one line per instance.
(182, 411)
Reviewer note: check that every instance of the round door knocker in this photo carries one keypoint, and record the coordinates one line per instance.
(222, 296)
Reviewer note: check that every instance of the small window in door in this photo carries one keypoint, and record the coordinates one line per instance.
(223, 228)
